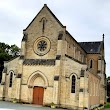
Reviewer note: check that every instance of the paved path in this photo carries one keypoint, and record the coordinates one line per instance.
(10, 106)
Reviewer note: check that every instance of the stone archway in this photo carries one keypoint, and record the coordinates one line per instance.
(36, 84)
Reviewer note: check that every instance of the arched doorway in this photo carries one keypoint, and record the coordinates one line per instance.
(38, 82)
(38, 94)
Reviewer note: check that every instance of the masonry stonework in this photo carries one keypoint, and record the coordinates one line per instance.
(54, 68)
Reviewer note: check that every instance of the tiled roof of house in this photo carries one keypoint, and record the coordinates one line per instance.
(91, 47)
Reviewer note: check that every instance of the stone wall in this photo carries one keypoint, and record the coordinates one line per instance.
(51, 31)
(54, 69)
(94, 89)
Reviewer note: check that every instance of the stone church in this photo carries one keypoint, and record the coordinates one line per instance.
(54, 68)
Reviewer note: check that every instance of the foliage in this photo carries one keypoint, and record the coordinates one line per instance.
(108, 100)
(14, 100)
(107, 105)
(108, 87)
(14, 49)
(108, 77)
(52, 104)
(7, 52)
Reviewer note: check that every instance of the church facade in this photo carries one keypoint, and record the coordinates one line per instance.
(54, 68)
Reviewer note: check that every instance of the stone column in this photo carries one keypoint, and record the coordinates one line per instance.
(61, 50)
(23, 44)
(55, 89)
(83, 91)
(18, 86)
(56, 81)
(19, 79)
(30, 96)
(3, 83)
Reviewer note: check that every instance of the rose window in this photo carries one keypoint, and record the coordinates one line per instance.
(42, 45)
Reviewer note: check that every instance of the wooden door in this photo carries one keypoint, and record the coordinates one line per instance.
(38, 93)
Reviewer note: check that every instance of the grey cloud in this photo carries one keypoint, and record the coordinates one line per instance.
(86, 20)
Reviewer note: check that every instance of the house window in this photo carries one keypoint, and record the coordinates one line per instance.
(73, 84)
(11, 78)
(91, 63)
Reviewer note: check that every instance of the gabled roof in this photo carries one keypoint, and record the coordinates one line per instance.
(75, 40)
(91, 47)
(45, 6)
(11, 59)
(88, 47)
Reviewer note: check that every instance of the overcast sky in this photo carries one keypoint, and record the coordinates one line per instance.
(86, 20)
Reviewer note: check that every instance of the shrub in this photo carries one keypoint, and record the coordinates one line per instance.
(52, 104)
(108, 100)
(14, 100)
(107, 105)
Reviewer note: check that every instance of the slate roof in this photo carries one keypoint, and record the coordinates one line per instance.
(91, 47)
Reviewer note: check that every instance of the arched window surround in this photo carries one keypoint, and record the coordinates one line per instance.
(73, 83)
(91, 62)
(11, 77)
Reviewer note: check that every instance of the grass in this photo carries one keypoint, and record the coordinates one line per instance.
(107, 105)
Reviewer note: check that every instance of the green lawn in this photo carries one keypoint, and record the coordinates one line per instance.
(107, 105)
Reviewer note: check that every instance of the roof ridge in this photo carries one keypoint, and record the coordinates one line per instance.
(89, 41)
(12, 59)
(45, 5)
(67, 32)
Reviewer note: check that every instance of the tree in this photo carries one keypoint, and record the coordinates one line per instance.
(15, 50)
(7, 53)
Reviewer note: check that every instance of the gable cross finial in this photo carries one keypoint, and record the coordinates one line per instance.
(103, 36)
